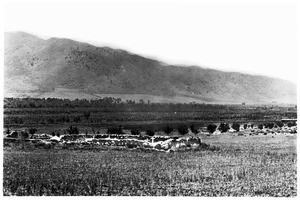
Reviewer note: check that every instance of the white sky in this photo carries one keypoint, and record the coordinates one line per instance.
(256, 37)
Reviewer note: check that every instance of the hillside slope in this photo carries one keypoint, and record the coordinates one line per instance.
(65, 68)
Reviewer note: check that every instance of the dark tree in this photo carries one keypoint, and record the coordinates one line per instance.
(53, 133)
(32, 131)
(50, 120)
(260, 126)
(245, 126)
(224, 127)
(193, 129)
(290, 124)
(236, 126)
(77, 119)
(115, 130)
(279, 123)
(211, 128)
(150, 132)
(7, 132)
(168, 130)
(14, 134)
(73, 130)
(269, 125)
(24, 135)
(135, 132)
(86, 114)
(183, 129)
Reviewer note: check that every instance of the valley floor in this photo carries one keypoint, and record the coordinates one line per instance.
(258, 165)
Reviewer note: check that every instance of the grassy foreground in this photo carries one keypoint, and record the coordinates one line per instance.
(244, 166)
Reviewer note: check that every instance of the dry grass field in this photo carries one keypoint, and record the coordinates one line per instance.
(261, 165)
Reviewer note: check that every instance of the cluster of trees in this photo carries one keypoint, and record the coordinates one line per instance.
(22, 134)
(106, 102)
(181, 129)
(224, 127)
(56, 111)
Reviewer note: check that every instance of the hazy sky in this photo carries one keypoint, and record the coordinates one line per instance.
(256, 37)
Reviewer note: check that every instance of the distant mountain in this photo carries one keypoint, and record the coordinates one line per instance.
(65, 68)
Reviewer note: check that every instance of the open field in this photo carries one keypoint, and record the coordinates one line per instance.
(260, 165)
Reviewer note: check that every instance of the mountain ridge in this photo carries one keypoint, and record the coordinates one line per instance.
(37, 67)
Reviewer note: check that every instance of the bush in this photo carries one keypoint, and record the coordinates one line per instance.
(150, 132)
(168, 130)
(211, 128)
(224, 127)
(236, 126)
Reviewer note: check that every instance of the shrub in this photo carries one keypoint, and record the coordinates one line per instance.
(224, 127)
(183, 129)
(211, 128)
(236, 126)
(245, 126)
(168, 130)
